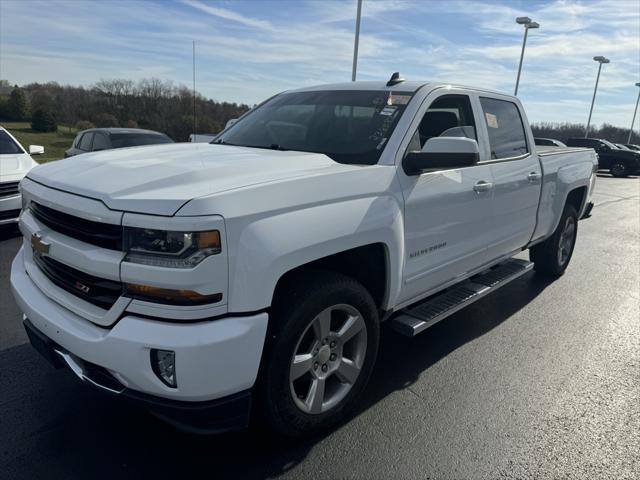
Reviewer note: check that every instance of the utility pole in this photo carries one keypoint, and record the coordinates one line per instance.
(634, 115)
(528, 23)
(357, 40)
(600, 60)
(194, 90)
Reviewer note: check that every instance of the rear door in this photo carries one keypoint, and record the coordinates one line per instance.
(517, 175)
(447, 216)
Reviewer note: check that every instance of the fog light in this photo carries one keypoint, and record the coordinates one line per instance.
(163, 364)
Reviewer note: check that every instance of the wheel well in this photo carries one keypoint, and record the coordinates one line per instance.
(576, 198)
(366, 264)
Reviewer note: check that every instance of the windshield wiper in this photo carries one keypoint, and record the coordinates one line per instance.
(273, 146)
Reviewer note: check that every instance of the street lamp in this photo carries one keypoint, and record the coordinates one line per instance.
(634, 115)
(526, 21)
(356, 41)
(600, 60)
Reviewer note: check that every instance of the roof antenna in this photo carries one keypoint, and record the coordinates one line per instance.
(395, 79)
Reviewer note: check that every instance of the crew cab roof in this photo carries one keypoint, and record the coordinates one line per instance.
(118, 130)
(404, 86)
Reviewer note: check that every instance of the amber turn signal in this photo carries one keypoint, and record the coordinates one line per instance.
(208, 239)
(169, 296)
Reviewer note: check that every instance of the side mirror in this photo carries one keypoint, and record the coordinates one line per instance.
(230, 123)
(440, 153)
(36, 149)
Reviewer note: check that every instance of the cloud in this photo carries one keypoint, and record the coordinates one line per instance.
(225, 14)
(248, 50)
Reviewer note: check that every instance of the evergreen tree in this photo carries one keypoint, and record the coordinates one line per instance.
(17, 104)
(44, 121)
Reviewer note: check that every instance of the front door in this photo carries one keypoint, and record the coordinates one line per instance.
(447, 212)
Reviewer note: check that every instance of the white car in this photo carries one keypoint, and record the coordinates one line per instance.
(202, 279)
(15, 162)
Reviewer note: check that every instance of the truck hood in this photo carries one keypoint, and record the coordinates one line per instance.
(160, 179)
(15, 166)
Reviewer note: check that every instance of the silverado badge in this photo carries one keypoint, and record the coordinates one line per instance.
(38, 245)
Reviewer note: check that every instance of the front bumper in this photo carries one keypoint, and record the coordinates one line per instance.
(214, 358)
(10, 209)
(213, 416)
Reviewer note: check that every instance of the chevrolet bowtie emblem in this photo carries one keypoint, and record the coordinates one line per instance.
(38, 244)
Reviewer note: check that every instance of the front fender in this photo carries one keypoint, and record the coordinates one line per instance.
(266, 248)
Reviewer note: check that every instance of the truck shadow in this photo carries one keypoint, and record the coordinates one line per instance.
(8, 232)
(85, 433)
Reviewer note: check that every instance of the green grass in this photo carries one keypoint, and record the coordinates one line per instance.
(54, 143)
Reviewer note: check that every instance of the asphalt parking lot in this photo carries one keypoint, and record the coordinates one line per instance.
(539, 380)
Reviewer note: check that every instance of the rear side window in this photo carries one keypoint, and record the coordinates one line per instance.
(100, 142)
(85, 142)
(506, 131)
(7, 145)
(120, 140)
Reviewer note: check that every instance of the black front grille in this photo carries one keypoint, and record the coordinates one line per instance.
(97, 291)
(101, 234)
(9, 189)
(9, 214)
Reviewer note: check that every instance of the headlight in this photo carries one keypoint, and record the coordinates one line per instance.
(162, 248)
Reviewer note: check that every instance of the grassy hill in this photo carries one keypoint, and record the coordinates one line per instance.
(54, 143)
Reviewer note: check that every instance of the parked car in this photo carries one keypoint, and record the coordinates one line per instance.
(548, 142)
(622, 147)
(15, 162)
(97, 139)
(620, 163)
(633, 147)
(202, 279)
(201, 137)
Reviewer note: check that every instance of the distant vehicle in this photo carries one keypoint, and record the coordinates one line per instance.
(631, 146)
(15, 162)
(201, 137)
(549, 142)
(622, 147)
(97, 139)
(619, 162)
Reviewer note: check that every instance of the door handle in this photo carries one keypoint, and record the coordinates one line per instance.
(534, 176)
(482, 186)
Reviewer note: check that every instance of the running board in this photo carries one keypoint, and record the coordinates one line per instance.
(419, 317)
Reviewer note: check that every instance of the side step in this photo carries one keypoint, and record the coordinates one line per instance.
(419, 317)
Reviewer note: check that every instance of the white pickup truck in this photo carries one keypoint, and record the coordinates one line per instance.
(15, 162)
(199, 279)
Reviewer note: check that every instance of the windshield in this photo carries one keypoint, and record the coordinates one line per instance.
(349, 126)
(7, 145)
(609, 144)
(120, 140)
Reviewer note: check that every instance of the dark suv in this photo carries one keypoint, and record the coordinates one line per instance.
(619, 162)
(97, 139)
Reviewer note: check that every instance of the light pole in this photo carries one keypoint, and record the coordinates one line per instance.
(600, 60)
(526, 21)
(634, 115)
(356, 41)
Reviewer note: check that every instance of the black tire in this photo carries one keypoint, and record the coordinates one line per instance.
(619, 169)
(299, 304)
(547, 258)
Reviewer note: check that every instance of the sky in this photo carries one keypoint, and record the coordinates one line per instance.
(247, 50)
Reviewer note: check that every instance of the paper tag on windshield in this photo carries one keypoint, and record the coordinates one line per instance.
(492, 120)
(388, 110)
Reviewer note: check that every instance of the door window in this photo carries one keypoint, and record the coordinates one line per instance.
(447, 116)
(506, 130)
(85, 142)
(7, 145)
(100, 142)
